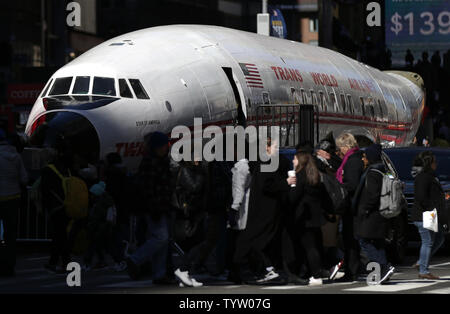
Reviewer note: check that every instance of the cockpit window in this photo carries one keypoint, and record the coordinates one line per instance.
(138, 89)
(124, 89)
(104, 86)
(46, 88)
(61, 86)
(81, 85)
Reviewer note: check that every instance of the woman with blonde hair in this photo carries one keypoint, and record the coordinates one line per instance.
(349, 174)
(309, 201)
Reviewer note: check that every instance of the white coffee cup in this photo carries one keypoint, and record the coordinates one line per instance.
(292, 174)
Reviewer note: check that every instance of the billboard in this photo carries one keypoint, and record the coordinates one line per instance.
(277, 23)
(418, 25)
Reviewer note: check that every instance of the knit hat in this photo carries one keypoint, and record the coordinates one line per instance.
(157, 140)
(328, 144)
(373, 153)
(98, 189)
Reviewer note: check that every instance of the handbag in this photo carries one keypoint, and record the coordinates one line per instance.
(430, 220)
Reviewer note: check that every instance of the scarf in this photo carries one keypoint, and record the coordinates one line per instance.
(340, 171)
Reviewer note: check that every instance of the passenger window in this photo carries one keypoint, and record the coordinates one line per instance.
(139, 90)
(344, 107)
(381, 109)
(363, 111)
(333, 102)
(61, 86)
(104, 86)
(47, 88)
(124, 89)
(81, 85)
(304, 96)
(351, 106)
(323, 101)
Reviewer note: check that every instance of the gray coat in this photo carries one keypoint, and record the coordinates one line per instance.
(241, 191)
(12, 171)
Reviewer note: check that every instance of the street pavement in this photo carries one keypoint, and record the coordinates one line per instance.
(31, 277)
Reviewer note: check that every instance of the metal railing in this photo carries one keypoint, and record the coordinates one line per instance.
(294, 120)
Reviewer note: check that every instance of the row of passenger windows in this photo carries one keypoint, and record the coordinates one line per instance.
(100, 86)
(365, 106)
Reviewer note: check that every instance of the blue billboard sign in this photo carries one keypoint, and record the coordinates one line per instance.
(418, 25)
(277, 24)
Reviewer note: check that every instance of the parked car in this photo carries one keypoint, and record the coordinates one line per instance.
(403, 159)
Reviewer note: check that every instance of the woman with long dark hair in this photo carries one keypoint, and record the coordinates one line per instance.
(310, 203)
(428, 196)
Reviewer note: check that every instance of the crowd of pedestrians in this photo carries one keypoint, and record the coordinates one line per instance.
(229, 219)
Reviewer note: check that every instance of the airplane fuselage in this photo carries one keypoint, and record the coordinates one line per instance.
(158, 78)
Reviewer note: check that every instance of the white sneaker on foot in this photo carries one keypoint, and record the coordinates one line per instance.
(315, 281)
(183, 277)
(195, 283)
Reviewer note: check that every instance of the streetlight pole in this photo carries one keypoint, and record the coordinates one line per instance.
(263, 20)
(264, 6)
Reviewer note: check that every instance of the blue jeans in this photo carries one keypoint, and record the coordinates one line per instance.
(374, 250)
(431, 242)
(155, 248)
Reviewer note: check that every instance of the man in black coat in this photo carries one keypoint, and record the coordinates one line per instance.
(371, 227)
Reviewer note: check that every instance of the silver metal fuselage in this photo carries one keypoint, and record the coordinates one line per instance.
(182, 69)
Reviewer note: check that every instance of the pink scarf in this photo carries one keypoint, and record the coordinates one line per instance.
(340, 171)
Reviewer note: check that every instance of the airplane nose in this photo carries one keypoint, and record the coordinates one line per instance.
(74, 128)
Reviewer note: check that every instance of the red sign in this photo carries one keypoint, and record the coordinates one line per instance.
(24, 94)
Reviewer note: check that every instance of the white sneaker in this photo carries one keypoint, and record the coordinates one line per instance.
(315, 282)
(339, 275)
(184, 278)
(195, 283)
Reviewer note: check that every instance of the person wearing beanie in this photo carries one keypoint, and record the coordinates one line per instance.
(371, 227)
(13, 177)
(155, 189)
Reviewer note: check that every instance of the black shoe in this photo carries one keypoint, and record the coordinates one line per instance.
(133, 269)
(335, 270)
(164, 281)
(234, 278)
(386, 274)
(297, 281)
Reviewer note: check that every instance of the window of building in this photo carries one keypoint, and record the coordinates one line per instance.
(125, 91)
(81, 85)
(138, 89)
(313, 25)
(61, 86)
(104, 86)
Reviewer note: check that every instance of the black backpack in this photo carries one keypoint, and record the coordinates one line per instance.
(337, 193)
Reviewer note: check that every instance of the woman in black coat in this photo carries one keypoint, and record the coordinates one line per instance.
(256, 243)
(310, 204)
(428, 196)
(371, 227)
(349, 174)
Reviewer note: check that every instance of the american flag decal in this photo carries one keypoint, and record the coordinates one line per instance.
(252, 75)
